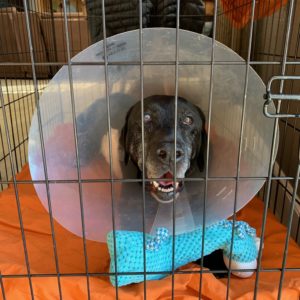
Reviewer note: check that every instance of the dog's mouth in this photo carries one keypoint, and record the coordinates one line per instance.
(165, 190)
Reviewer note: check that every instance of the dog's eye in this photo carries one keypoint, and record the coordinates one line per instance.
(147, 117)
(188, 120)
(194, 132)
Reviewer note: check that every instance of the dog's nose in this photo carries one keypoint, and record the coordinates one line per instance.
(166, 153)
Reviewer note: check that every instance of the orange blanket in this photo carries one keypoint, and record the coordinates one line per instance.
(71, 260)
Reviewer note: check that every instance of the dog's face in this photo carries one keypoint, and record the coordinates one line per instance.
(159, 121)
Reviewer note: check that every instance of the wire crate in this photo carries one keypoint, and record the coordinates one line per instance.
(37, 38)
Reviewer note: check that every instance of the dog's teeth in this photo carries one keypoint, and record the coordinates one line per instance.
(159, 188)
(170, 189)
(177, 184)
(156, 184)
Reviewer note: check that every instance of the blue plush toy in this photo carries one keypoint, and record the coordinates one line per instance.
(188, 246)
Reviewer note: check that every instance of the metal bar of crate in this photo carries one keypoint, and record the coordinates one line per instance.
(3, 159)
(105, 274)
(73, 109)
(241, 142)
(150, 63)
(266, 26)
(289, 227)
(272, 71)
(208, 143)
(175, 143)
(128, 180)
(2, 288)
(298, 229)
(42, 144)
(143, 142)
(109, 143)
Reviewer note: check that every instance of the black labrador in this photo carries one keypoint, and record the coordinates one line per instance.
(159, 143)
(159, 146)
(159, 150)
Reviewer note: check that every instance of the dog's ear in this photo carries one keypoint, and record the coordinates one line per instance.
(123, 139)
(202, 145)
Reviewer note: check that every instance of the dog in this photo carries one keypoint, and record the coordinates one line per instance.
(159, 143)
(159, 151)
(159, 146)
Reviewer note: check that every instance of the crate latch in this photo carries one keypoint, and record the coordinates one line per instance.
(270, 97)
